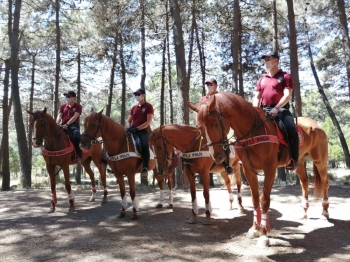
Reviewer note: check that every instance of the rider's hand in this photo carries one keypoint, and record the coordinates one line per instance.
(132, 130)
(274, 111)
(65, 126)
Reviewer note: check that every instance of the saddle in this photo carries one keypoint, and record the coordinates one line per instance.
(137, 143)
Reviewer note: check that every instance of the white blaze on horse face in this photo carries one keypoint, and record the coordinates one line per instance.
(211, 149)
(34, 133)
(155, 158)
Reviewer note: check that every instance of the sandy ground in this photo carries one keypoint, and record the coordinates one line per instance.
(94, 233)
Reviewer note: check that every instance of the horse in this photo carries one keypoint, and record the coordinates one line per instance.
(257, 146)
(122, 156)
(195, 155)
(58, 150)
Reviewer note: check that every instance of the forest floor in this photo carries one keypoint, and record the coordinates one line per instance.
(94, 233)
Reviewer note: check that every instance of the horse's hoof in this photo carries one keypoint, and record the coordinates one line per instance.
(325, 215)
(104, 200)
(92, 199)
(159, 205)
(263, 241)
(206, 222)
(134, 217)
(71, 209)
(51, 210)
(170, 206)
(241, 211)
(121, 215)
(192, 221)
(252, 234)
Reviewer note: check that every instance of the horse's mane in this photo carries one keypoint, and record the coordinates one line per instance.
(112, 125)
(225, 101)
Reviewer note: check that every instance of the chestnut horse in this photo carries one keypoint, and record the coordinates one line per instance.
(59, 151)
(196, 159)
(121, 154)
(257, 146)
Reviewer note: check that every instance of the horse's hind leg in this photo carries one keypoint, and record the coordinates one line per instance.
(51, 171)
(102, 169)
(227, 182)
(304, 183)
(208, 208)
(69, 188)
(121, 183)
(194, 213)
(135, 201)
(86, 164)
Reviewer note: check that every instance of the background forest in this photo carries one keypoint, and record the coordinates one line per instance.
(105, 49)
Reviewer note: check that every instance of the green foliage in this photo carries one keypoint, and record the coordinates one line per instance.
(14, 160)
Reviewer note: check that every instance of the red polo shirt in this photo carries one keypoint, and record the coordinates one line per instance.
(68, 111)
(272, 88)
(139, 113)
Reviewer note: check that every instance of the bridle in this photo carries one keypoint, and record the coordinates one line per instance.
(46, 128)
(93, 138)
(167, 157)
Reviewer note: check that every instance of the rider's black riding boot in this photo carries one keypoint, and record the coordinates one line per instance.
(294, 148)
(229, 169)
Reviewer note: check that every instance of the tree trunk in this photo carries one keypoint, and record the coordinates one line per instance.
(202, 61)
(162, 88)
(111, 82)
(123, 74)
(58, 60)
(236, 42)
(171, 107)
(345, 38)
(79, 167)
(294, 64)
(327, 104)
(5, 158)
(183, 89)
(143, 45)
(21, 133)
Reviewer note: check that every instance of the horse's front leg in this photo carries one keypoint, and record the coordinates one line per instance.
(265, 201)
(161, 192)
(121, 183)
(227, 182)
(194, 213)
(171, 197)
(102, 169)
(68, 188)
(135, 200)
(208, 208)
(51, 171)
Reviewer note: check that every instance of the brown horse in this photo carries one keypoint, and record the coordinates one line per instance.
(59, 151)
(196, 159)
(257, 146)
(121, 154)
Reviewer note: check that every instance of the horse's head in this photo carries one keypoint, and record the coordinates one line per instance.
(92, 129)
(216, 128)
(39, 126)
(163, 151)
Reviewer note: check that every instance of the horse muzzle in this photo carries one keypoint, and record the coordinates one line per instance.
(84, 145)
(37, 142)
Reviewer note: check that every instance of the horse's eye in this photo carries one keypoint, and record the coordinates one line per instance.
(216, 126)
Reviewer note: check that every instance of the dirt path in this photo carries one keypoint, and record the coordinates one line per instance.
(93, 233)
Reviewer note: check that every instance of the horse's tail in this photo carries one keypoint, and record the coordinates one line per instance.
(318, 185)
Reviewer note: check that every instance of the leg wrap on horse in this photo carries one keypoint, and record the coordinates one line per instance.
(54, 197)
(161, 196)
(195, 206)
(257, 215)
(171, 197)
(124, 202)
(305, 203)
(135, 203)
(208, 207)
(71, 195)
(231, 196)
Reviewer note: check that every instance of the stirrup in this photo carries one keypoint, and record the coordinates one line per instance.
(292, 165)
(229, 170)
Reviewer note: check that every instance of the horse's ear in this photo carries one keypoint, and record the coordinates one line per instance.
(30, 113)
(100, 113)
(92, 109)
(44, 111)
(193, 107)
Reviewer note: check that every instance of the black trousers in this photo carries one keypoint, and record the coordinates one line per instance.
(288, 120)
(74, 135)
(143, 135)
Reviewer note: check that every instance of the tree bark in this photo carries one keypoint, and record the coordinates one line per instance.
(79, 167)
(171, 107)
(21, 133)
(58, 60)
(123, 74)
(143, 44)
(111, 81)
(235, 44)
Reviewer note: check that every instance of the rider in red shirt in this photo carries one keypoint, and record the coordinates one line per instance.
(68, 117)
(140, 119)
(273, 92)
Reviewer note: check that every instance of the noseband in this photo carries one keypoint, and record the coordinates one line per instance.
(224, 142)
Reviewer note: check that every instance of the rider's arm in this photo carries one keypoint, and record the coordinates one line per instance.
(147, 123)
(257, 98)
(287, 94)
(72, 120)
(129, 121)
(59, 118)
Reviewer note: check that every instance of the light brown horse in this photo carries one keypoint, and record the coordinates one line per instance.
(257, 146)
(195, 159)
(121, 154)
(59, 151)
